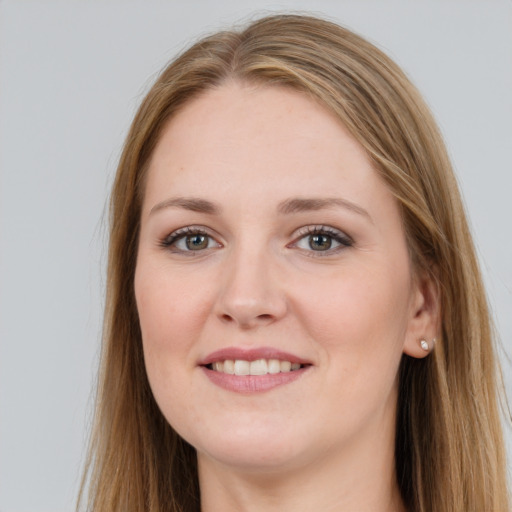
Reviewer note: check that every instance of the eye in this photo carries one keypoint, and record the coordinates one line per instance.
(195, 242)
(189, 239)
(322, 239)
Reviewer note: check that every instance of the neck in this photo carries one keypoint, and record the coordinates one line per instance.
(361, 477)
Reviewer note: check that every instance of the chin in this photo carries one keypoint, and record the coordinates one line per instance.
(254, 460)
(252, 450)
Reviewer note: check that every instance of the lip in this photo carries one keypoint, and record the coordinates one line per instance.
(251, 355)
(248, 384)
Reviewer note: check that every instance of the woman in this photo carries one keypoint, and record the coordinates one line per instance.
(295, 317)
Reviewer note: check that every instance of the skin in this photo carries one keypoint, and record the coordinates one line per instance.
(326, 440)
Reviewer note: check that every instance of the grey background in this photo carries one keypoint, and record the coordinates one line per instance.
(71, 76)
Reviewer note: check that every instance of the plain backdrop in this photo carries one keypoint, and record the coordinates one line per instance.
(71, 76)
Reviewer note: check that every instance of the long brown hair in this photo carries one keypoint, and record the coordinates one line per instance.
(450, 455)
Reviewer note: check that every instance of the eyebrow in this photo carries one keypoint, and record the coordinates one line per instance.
(287, 207)
(193, 204)
(296, 205)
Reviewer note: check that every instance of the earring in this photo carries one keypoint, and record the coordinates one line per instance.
(425, 346)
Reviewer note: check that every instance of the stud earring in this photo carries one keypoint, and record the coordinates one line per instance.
(425, 346)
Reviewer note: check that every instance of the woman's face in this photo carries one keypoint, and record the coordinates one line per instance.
(268, 242)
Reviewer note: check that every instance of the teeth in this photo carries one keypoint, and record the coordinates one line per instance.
(286, 366)
(242, 367)
(229, 367)
(274, 366)
(257, 367)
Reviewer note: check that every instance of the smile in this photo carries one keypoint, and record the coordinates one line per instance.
(257, 367)
(253, 370)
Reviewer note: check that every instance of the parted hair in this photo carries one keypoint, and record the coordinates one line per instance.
(449, 454)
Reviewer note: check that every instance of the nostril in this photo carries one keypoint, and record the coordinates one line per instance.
(227, 318)
(244, 322)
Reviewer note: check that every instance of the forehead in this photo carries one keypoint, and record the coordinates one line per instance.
(270, 115)
(251, 141)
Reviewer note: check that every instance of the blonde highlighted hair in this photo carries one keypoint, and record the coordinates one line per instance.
(450, 455)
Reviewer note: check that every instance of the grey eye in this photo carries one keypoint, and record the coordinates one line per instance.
(196, 242)
(320, 242)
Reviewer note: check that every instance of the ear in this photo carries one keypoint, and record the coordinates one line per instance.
(425, 316)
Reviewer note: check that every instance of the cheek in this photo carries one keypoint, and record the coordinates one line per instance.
(353, 302)
(171, 315)
(359, 316)
(172, 306)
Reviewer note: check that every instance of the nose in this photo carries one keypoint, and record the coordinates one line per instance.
(251, 295)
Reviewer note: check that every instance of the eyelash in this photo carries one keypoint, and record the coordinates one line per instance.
(169, 242)
(337, 236)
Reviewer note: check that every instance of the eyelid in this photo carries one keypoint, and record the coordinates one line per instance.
(169, 241)
(340, 237)
(319, 228)
(337, 235)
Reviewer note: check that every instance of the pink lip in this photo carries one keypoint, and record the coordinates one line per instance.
(248, 384)
(250, 355)
(252, 383)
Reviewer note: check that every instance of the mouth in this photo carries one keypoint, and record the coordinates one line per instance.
(256, 367)
(253, 370)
